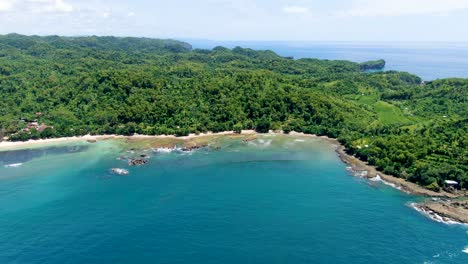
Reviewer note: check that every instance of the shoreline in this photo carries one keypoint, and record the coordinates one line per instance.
(11, 145)
(444, 206)
(448, 210)
(399, 183)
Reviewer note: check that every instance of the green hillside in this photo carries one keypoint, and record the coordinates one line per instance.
(109, 85)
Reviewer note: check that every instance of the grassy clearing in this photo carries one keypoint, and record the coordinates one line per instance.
(367, 99)
(390, 114)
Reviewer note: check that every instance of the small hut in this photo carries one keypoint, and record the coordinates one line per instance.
(451, 183)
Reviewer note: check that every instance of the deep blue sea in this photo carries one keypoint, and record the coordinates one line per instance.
(278, 199)
(430, 61)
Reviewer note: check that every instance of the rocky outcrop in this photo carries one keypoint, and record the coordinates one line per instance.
(446, 211)
(137, 162)
(372, 65)
(193, 147)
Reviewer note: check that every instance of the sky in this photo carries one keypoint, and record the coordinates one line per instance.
(242, 20)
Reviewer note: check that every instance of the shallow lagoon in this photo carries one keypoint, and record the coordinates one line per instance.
(276, 199)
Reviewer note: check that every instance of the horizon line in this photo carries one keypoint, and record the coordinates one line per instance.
(242, 40)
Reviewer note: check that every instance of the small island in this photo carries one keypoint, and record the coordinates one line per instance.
(372, 65)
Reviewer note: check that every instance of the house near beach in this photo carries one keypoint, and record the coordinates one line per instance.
(35, 125)
(451, 183)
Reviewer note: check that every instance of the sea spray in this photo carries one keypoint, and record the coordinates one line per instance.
(379, 179)
(166, 150)
(15, 165)
(433, 215)
(465, 250)
(265, 143)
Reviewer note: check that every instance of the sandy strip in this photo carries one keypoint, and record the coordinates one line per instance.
(6, 145)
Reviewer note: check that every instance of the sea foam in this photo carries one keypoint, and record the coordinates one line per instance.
(379, 179)
(166, 150)
(465, 250)
(265, 142)
(15, 165)
(436, 217)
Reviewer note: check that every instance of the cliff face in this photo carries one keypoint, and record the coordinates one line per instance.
(372, 65)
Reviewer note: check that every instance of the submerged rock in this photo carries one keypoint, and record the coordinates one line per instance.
(250, 138)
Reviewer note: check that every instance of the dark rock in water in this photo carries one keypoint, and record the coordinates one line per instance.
(194, 147)
(137, 162)
(91, 141)
(189, 148)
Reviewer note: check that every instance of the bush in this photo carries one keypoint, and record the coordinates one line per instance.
(238, 128)
(263, 125)
(434, 186)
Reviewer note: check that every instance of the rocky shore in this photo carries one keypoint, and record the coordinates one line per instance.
(445, 211)
(446, 207)
(358, 165)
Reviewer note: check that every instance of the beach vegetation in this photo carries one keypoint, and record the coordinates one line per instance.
(75, 86)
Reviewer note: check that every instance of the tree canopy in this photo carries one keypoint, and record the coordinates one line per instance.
(110, 85)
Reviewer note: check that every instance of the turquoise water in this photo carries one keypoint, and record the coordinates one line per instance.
(274, 200)
(430, 61)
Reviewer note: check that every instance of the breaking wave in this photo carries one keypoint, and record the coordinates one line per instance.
(434, 216)
(15, 165)
(166, 150)
(465, 250)
(379, 179)
(265, 142)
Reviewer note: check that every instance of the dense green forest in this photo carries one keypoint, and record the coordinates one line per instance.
(108, 85)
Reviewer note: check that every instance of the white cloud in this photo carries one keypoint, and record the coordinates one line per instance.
(376, 8)
(36, 6)
(52, 6)
(62, 6)
(6, 5)
(130, 14)
(296, 10)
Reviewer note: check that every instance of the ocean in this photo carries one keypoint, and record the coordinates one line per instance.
(277, 199)
(430, 61)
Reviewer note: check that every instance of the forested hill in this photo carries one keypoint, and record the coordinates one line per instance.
(109, 85)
